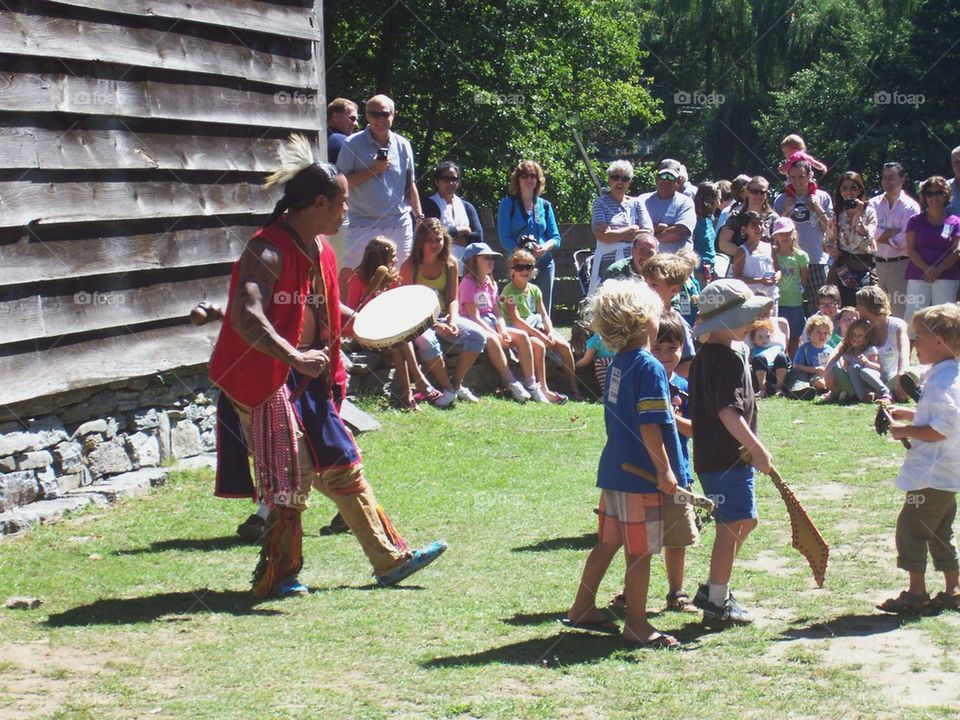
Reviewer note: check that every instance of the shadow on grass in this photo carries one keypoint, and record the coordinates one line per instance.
(227, 542)
(847, 626)
(130, 611)
(581, 542)
(560, 649)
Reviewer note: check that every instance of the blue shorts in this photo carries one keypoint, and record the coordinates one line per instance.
(795, 318)
(732, 491)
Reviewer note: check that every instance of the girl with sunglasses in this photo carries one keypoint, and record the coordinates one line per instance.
(521, 303)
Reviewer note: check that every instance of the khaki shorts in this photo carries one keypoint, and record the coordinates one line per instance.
(679, 522)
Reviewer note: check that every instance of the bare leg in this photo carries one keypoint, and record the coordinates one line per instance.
(674, 559)
(635, 589)
(726, 544)
(540, 367)
(413, 367)
(584, 608)
(464, 363)
(438, 371)
(494, 350)
(521, 341)
(401, 375)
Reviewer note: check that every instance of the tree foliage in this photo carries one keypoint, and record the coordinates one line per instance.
(490, 83)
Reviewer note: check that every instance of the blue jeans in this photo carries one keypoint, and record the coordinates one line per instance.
(471, 338)
(546, 269)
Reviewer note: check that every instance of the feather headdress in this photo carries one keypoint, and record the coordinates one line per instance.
(294, 155)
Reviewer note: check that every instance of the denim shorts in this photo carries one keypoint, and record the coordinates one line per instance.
(732, 491)
(795, 317)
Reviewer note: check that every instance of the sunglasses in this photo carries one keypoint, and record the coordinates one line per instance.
(933, 193)
(619, 178)
(382, 114)
(529, 176)
(449, 178)
(756, 191)
(523, 268)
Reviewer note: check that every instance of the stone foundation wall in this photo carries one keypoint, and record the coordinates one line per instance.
(59, 444)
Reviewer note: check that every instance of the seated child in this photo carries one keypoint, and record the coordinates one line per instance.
(382, 251)
(641, 429)
(522, 305)
(768, 360)
(806, 380)
(929, 471)
(598, 354)
(861, 363)
(479, 302)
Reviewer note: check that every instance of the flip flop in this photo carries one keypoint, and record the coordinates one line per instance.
(660, 641)
(561, 398)
(607, 626)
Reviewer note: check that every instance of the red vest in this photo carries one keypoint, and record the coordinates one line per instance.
(248, 376)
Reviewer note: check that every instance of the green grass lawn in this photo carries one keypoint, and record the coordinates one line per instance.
(147, 612)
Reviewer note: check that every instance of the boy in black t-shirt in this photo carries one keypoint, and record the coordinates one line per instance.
(724, 415)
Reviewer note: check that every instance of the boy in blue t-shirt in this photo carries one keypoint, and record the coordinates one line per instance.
(808, 377)
(642, 430)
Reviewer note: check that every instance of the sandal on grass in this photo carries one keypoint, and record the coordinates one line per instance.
(945, 601)
(559, 398)
(660, 641)
(906, 603)
(618, 602)
(681, 602)
(606, 625)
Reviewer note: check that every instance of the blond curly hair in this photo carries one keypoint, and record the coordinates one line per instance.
(622, 312)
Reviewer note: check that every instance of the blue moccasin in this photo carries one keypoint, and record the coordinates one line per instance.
(417, 561)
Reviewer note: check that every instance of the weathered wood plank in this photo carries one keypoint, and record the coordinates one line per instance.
(22, 203)
(53, 92)
(47, 316)
(68, 39)
(46, 149)
(46, 260)
(265, 17)
(97, 362)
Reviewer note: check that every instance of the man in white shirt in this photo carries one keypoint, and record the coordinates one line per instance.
(894, 208)
(954, 207)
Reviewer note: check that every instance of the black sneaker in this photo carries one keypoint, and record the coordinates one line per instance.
(702, 597)
(909, 385)
(252, 528)
(337, 526)
(724, 616)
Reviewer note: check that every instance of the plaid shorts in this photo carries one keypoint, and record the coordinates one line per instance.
(634, 520)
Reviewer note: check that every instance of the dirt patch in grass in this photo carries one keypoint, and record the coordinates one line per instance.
(776, 564)
(36, 679)
(902, 663)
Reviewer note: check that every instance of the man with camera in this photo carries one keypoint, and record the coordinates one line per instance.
(378, 165)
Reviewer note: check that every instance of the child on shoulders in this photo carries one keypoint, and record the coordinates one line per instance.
(641, 429)
(929, 471)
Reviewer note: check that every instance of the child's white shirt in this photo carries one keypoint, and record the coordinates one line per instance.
(936, 464)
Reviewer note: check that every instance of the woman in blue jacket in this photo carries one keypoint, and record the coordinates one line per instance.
(525, 219)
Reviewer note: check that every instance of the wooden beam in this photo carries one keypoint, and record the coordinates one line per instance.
(98, 362)
(53, 92)
(265, 17)
(47, 316)
(48, 149)
(45, 260)
(22, 203)
(68, 39)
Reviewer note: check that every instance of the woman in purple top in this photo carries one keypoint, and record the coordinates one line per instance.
(933, 275)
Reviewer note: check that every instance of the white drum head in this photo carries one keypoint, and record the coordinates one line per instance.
(396, 316)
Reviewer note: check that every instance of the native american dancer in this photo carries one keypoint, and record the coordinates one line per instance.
(277, 364)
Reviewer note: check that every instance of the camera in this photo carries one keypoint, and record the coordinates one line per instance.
(527, 242)
(850, 203)
(383, 153)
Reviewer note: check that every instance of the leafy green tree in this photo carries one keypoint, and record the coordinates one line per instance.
(489, 83)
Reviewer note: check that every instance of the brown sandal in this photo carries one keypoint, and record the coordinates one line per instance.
(944, 601)
(680, 602)
(906, 603)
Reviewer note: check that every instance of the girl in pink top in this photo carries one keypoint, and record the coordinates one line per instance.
(480, 302)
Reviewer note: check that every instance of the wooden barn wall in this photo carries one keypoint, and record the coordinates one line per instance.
(134, 136)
